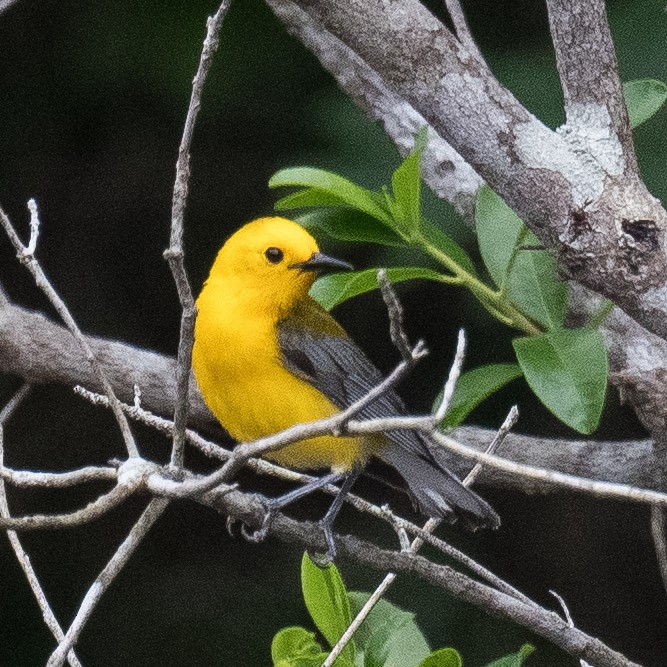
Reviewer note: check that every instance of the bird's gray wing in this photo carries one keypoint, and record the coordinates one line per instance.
(314, 348)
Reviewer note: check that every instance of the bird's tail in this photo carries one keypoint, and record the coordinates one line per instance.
(438, 492)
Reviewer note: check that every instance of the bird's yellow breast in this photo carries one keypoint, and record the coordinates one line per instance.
(237, 363)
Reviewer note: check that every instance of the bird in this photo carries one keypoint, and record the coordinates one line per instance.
(267, 356)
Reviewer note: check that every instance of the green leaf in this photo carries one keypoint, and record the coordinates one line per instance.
(498, 229)
(331, 290)
(643, 98)
(307, 197)
(443, 657)
(567, 369)
(534, 287)
(515, 659)
(328, 604)
(529, 276)
(441, 241)
(345, 224)
(406, 187)
(334, 185)
(473, 387)
(296, 647)
(389, 636)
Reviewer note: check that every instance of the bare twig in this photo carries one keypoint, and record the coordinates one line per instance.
(398, 336)
(500, 436)
(6, 4)
(568, 618)
(58, 480)
(27, 257)
(658, 528)
(94, 510)
(425, 534)
(19, 551)
(12, 405)
(175, 253)
(101, 584)
(452, 378)
(461, 27)
(131, 476)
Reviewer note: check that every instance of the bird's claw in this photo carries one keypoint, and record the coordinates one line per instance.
(322, 560)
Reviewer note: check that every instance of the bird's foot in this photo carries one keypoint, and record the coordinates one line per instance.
(327, 558)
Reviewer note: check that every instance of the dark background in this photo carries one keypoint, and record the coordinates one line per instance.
(92, 102)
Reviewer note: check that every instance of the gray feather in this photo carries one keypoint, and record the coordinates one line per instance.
(334, 365)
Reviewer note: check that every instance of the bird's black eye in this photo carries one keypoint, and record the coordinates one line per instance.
(274, 255)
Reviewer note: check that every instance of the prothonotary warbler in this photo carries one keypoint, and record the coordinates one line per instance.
(268, 356)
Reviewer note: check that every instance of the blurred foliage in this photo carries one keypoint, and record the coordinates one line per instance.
(92, 106)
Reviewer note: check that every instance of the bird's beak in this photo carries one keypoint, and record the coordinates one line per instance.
(321, 263)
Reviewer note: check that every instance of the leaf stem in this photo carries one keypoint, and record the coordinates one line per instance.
(495, 301)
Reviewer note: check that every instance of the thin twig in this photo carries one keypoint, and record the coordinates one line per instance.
(58, 480)
(21, 554)
(568, 618)
(658, 528)
(131, 477)
(461, 28)
(452, 378)
(502, 433)
(150, 515)
(175, 253)
(94, 510)
(26, 255)
(6, 4)
(398, 336)
(425, 534)
(12, 405)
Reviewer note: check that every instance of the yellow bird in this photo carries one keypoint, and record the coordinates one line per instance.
(267, 356)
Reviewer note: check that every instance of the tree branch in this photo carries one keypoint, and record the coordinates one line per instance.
(26, 255)
(59, 361)
(175, 253)
(609, 232)
(461, 28)
(543, 623)
(586, 60)
(443, 169)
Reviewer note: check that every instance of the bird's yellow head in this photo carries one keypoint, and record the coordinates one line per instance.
(273, 260)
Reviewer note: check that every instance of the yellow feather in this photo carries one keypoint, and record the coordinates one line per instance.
(236, 358)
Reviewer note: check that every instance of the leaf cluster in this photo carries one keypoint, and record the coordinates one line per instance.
(388, 637)
(566, 368)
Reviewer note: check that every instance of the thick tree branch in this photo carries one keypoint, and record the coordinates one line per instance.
(23, 333)
(59, 361)
(448, 178)
(586, 61)
(444, 170)
(608, 230)
(545, 624)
